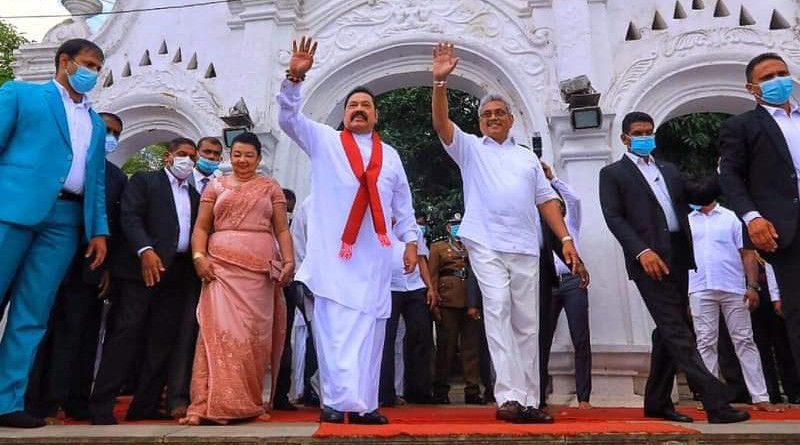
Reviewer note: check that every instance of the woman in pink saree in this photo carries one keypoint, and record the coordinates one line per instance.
(242, 314)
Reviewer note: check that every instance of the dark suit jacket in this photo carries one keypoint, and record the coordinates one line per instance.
(757, 173)
(634, 216)
(149, 218)
(79, 271)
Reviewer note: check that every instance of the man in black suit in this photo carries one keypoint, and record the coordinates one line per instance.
(759, 174)
(646, 204)
(66, 354)
(158, 280)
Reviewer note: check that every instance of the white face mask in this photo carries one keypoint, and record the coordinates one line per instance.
(182, 167)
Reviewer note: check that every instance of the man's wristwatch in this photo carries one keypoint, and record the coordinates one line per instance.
(754, 285)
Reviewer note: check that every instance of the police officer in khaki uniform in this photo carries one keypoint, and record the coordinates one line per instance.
(447, 263)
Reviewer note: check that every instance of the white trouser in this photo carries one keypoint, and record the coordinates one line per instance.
(509, 283)
(706, 306)
(399, 363)
(349, 351)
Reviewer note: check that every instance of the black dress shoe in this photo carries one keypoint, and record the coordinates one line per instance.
(509, 411)
(103, 420)
(488, 396)
(373, 418)
(533, 415)
(728, 415)
(474, 399)
(776, 399)
(330, 415)
(670, 415)
(440, 399)
(21, 419)
(284, 405)
(794, 400)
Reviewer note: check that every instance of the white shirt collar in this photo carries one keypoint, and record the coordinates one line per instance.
(778, 110)
(716, 210)
(174, 180)
(85, 101)
(640, 159)
(486, 140)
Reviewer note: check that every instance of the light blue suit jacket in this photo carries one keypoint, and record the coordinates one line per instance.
(36, 155)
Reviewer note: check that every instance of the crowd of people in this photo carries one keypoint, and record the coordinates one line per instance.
(184, 292)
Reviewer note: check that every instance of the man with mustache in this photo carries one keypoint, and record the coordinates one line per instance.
(358, 184)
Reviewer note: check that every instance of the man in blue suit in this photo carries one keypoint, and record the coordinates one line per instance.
(52, 180)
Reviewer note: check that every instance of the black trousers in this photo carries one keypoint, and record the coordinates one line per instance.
(674, 343)
(786, 263)
(569, 296)
(65, 359)
(418, 348)
(154, 316)
(179, 378)
(546, 327)
(294, 295)
(769, 333)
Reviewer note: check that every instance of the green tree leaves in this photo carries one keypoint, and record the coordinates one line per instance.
(10, 40)
(150, 158)
(690, 142)
(405, 123)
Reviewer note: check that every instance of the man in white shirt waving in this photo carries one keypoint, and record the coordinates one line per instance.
(718, 284)
(504, 185)
(358, 184)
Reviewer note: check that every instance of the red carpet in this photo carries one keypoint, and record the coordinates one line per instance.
(462, 420)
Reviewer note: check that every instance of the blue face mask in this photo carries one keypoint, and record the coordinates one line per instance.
(111, 143)
(454, 230)
(695, 207)
(643, 145)
(777, 91)
(83, 79)
(207, 167)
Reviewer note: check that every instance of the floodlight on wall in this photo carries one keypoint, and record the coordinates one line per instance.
(237, 121)
(228, 134)
(583, 102)
(238, 116)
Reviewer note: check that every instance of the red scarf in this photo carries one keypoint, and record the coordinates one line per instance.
(367, 194)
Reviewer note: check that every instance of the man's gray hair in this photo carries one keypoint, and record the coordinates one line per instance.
(491, 97)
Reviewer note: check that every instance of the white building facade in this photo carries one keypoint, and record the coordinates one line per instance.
(176, 72)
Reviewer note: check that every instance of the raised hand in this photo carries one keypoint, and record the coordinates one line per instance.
(302, 56)
(444, 60)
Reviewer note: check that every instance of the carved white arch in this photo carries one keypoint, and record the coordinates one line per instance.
(406, 62)
(153, 118)
(685, 77)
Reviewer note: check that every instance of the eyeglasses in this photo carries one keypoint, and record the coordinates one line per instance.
(496, 113)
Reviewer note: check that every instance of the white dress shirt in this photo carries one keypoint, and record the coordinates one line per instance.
(717, 239)
(183, 208)
(298, 230)
(413, 281)
(790, 127)
(200, 180)
(772, 283)
(573, 219)
(79, 122)
(363, 282)
(657, 184)
(503, 184)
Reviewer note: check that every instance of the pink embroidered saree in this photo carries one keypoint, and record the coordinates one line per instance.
(242, 314)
